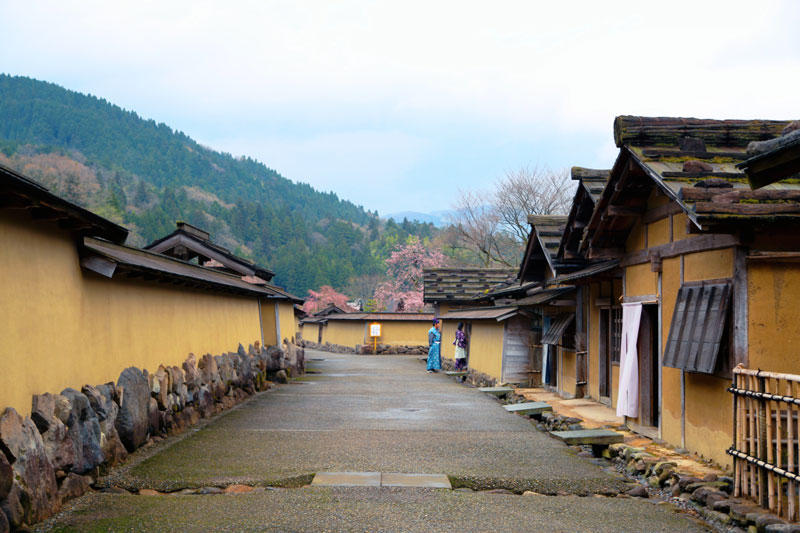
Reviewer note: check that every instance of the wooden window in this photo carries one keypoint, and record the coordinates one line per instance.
(616, 333)
(696, 335)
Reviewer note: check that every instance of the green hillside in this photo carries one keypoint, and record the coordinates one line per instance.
(146, 176)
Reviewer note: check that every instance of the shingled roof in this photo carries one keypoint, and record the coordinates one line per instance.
(461, 284)
(541, 251)
(694, 163)
(591, 183)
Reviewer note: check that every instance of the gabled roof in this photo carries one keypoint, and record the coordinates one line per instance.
(692, 162)
(591, 183)
(541, 251)
(114, 260)
(19, 192)
(461, 284)
(331, 310)
(188, 242)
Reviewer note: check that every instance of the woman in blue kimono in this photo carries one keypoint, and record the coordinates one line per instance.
(434, 343)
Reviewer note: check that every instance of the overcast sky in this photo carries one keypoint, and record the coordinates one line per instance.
(397, 105)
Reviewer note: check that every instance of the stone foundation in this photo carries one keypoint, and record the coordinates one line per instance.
(367, 349)
(477, 379)
(70, 438)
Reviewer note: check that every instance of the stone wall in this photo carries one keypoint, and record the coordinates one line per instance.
(71, 437)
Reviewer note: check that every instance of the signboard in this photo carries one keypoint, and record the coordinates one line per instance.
(374, 330)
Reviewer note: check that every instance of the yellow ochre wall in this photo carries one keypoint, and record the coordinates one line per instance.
(287, 321)
(774, 316)
(268, 325)
(393, 332)
(486, 347)
(406, 332)
(61, 327)
(343, 332)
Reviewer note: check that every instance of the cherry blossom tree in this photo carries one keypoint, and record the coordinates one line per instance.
(404, 269)
(327, 295)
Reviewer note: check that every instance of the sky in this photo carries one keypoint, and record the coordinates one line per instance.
(398, 105)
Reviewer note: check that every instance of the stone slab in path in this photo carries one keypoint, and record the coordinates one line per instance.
(528, 408)
(378, 479)
(496, 391)
(431, 481)
(456, 373)
(348, 479)
(602, 437)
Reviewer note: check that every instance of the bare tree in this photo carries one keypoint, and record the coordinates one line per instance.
(494, 225)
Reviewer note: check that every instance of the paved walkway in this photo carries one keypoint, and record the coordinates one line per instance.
(370, 414)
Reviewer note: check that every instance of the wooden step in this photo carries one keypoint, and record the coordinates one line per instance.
(528, 408)
(595, 437)
(496, 391)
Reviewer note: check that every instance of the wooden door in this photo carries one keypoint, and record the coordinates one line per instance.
(516, 350)
(648, 366)
(319, 335)
(604, 358)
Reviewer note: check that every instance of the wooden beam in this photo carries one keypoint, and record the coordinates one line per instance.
(661, 212)
(623, 211)
(701, 243)
(650, 152)
(46, 213)
(746, 209)
(605, 253)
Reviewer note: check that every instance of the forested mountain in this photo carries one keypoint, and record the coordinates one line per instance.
(146, 176)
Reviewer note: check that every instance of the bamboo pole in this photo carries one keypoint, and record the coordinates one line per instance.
(762, 373)
(737, 439)
(751, 449)
(791, 486)
(768, 406)
(779, 447)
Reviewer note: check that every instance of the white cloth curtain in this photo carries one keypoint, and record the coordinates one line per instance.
(628, 393)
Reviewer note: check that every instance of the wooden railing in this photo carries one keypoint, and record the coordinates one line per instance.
(765, 439)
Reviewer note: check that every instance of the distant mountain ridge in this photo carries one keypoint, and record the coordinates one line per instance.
(437, 218)
(145, 175)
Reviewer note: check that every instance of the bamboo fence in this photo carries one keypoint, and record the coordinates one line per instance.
(766, 437)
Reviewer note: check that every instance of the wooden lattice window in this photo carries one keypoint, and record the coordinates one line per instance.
(616, 333)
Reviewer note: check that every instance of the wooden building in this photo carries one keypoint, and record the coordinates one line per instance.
(80, 306)
(708, 276)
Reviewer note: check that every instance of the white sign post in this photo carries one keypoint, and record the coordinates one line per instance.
(375, 332)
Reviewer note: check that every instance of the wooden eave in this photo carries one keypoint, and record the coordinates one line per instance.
(622, 203)
(113, 260)
(20, 192)
(775, 165)
(208, 250)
